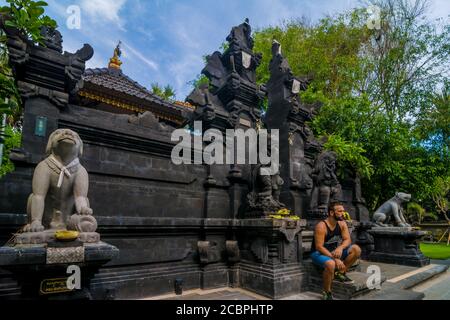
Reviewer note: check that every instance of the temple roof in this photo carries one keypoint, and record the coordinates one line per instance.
(116, 80)
(109, 89)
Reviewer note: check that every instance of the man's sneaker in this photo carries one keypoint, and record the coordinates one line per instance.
(327, 295)
(342, 277)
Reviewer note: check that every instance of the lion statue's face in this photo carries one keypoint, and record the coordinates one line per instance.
(65, 143)
(403, 197)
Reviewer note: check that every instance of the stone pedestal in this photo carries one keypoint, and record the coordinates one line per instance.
(364, 239)
(398, 246)
(42, 270)
(271, 255)
(35, 238)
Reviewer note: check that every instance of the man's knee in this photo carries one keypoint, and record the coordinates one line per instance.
(330, 265)
(356, 250)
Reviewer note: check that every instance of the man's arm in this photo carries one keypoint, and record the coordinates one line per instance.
(319, 236)
(346, 241)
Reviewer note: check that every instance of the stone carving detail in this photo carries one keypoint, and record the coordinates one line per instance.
(290, 232)
(326, 184)
(28, 91)
(232, 88)
(241, 45)
(208, 252)
(392, 212)
(260, 250)
(289, 252)
(62, 78)
(233, 251)
(264, 197)
(52, 38)
(60, 187)
(65, 255)
(76, 67)
(148, 120)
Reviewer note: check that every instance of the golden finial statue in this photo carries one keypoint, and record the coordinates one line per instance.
(115, 62)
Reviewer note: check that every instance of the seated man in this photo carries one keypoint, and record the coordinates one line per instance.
(332, 248)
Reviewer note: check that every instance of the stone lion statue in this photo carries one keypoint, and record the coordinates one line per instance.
(60, 187)
(392, 212)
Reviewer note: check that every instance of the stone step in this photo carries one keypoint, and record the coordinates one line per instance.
(341, 290)
(399, 287)
(421, 277)
(390, 291)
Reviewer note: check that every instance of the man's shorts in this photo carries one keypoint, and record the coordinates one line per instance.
(320, 260)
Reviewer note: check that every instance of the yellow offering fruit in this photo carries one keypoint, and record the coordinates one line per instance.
(273, 216)
(64, 235)
(284, 212)
(347, 216)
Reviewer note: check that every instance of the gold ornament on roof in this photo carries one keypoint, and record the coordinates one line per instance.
(115, 62)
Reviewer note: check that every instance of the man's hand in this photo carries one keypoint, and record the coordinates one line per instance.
(337, 254)
(340, 265)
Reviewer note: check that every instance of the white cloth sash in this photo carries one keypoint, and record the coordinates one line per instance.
(64, 169)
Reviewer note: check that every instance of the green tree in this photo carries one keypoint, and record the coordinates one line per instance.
(28, 18)
(379, 92)
(167, 93)
(12, 141)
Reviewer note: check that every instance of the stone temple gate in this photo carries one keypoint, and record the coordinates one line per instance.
(187, 222)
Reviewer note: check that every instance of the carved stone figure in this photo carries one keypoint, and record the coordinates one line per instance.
(242, 35)
(326, 184)
(60, 187)
(266, 189)
(52, 38)
(149, 120)
(392, 212)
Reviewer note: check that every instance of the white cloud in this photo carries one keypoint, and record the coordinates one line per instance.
(182, 71)
(104, 10)
(152, 64)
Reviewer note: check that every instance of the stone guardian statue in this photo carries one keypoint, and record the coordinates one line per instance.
(326, 184)
(392, 212)
(60, 187)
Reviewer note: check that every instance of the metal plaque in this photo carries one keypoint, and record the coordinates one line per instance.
(53, 286)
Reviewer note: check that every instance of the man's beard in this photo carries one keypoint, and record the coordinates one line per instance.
(339, 218)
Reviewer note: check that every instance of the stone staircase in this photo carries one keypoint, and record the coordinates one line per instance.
(398, 288)
(402, 288)
(344, 291)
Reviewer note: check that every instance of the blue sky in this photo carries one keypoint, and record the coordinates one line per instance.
(164, 40)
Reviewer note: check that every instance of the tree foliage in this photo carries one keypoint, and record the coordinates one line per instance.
(28, 17)
(12, 140)
(167, 93)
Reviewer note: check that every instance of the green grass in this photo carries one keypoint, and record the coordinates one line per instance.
(438, 251)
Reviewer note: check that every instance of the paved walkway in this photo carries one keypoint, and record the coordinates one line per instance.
(437, 288)
(214, 294)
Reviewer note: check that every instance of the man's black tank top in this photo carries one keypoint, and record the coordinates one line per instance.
(333, 239)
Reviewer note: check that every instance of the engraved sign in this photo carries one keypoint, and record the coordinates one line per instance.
(53, 286)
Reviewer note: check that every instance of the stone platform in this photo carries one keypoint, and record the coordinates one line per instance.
(42, 271)
(403, 283)
(42, 255)
(398, 246)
